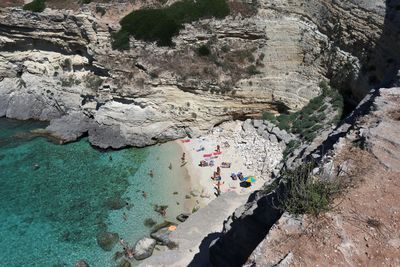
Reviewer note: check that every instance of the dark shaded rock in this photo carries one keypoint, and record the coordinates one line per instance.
(81, 263)
(182, 217)
(144, 248)
(107, 240)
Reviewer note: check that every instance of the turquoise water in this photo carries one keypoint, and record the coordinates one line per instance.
(54, 199)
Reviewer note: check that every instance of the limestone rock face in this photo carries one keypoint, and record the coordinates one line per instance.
(60, 63)
(70, 127)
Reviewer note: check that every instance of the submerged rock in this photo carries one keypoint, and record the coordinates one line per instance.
(81, 263)
(124, 263)
(144, 248)
(115, 203)
(149, 222)
(107, 240)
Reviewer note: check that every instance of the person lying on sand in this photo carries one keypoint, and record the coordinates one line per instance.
(183, 157)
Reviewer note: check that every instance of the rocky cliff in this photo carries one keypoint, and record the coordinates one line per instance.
(59, 65)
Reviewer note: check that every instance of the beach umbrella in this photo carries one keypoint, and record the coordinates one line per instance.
(250, 179)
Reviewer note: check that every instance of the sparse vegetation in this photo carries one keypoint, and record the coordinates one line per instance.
(160, 25)
(35, 6)
(313, 117)
(67, 81)
(307, 194)
(93, 81)
(290, 147)
(271, 186)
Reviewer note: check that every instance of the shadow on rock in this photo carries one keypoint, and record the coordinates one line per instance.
(202, 258)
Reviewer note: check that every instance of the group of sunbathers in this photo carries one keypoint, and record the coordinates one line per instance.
(235, 176)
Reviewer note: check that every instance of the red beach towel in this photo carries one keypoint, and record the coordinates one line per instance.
(217, 153)
(207, 155)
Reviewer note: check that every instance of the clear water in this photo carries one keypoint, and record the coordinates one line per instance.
(50, 214)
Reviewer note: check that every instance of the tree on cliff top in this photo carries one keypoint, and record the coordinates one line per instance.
(160, 25)
(35, 6)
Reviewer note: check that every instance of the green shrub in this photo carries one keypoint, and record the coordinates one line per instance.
(203, 50)
(284, 121)
(120, 40)
(93, 81)
(308, 121)
(306, 195)
(160, 25)
(270, 187)
(269, 116)
(290, 147)
(35, 6)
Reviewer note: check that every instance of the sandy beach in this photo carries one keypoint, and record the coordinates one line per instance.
(247, 152)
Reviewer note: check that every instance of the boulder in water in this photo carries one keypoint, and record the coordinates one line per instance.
(144, 248)
(107, 240)
(124, 263)
(161, 233)
(81, 263)
(115, 203)
(149, 222)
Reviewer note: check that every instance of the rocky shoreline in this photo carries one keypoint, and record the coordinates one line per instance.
(59, 66)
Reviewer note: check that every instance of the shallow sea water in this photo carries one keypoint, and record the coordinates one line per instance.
(50, 214)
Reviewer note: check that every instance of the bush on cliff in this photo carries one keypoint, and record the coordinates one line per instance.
(160, 25)
(307, 194)
(313, 117)
(35, 6)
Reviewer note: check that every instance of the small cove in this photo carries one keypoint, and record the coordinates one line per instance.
(54, 199)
